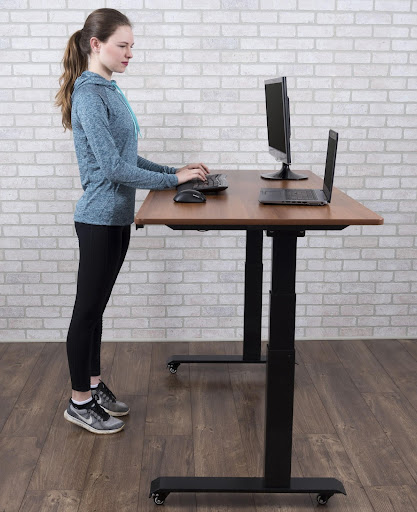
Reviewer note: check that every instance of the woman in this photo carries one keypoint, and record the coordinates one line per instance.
(105, 133)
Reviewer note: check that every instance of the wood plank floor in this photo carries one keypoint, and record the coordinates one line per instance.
(355, 419)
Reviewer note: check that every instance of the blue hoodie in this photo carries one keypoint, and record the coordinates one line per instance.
(105, 138)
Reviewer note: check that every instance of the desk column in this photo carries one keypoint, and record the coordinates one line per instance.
(252, 317)
(280, 360)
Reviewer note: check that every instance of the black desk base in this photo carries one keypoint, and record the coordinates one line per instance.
(279, 389)
(324, 487)
(174, 361)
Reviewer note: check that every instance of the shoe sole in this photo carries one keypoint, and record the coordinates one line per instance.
(80, 423)
(112, 413)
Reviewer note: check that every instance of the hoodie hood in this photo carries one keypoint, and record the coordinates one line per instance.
(88, 77)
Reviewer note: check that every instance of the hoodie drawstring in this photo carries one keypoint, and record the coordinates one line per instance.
(135, 121)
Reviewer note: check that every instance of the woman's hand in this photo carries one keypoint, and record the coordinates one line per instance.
(192, 171)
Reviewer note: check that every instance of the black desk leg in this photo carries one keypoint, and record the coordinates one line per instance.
(252, 316)
(280, 375)
(279, 399)
(252, 311)
(280, 365)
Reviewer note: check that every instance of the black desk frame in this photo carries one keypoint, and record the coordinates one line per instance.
(280, 360)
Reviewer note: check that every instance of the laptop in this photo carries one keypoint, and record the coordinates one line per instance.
(307, 197)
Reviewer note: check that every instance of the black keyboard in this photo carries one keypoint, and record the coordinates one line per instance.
(214, 183)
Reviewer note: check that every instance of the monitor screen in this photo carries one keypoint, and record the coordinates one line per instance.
(278, 118)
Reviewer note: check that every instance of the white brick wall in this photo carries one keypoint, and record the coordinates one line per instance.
(196, 84)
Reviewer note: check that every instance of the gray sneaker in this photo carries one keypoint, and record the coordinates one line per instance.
(107, 400)
(93, 418)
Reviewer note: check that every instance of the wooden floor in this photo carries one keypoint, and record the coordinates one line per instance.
(355, 419)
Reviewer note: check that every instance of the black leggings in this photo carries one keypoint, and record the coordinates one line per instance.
(102, 252)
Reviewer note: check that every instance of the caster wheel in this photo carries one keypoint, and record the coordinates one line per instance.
(158, 500)
(172, 367)
(322, 499)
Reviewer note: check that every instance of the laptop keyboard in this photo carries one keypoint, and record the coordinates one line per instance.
(300, 195)
(214, 183)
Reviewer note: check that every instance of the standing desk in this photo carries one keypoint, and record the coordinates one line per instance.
(237, 208)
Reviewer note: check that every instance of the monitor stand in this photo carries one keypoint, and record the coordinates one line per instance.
(284, 173)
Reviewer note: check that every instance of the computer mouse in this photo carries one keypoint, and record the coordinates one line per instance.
(190, 196)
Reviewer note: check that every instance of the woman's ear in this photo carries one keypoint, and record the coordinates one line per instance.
(95, 44)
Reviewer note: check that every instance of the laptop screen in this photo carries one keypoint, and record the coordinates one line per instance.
(330, 164)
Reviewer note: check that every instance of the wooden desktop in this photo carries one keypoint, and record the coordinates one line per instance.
(238, 205)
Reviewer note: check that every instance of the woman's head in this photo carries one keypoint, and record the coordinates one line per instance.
(96, 40)
(112, 55)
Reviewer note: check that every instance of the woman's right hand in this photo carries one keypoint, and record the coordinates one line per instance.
(192, 171)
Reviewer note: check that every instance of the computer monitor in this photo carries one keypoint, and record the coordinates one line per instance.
(279, 128)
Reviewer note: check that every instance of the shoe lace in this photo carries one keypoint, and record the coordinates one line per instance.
(106, 391)
(98, 412)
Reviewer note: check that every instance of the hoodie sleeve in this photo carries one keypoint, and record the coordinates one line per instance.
(152, 166)
(92, 114)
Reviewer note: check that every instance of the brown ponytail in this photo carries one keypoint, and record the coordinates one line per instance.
(101, 23)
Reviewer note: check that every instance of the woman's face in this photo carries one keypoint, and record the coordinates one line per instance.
(114, 55)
